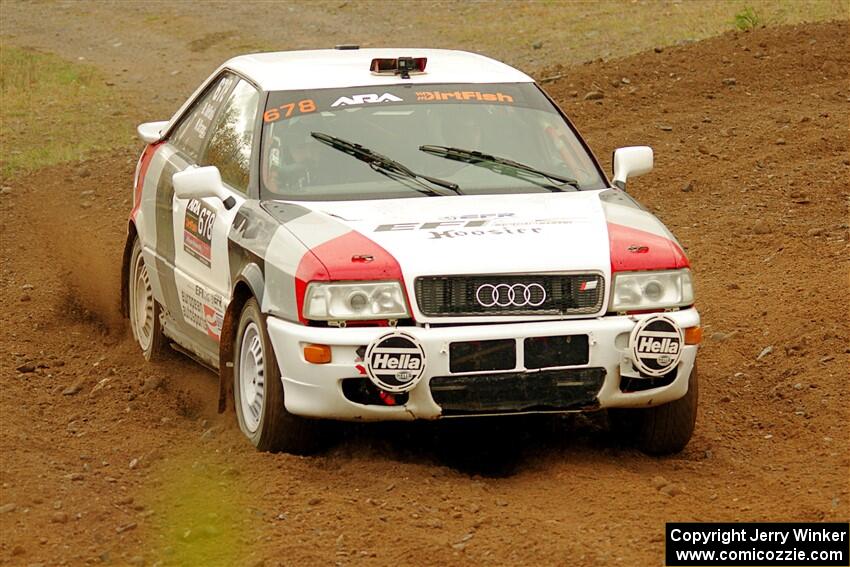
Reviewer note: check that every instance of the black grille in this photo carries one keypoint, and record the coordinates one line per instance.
(518, 391)
(565, 350)
(544, 294)
(477, 356)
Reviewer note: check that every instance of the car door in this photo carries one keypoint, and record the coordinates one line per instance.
(201, 226)
(182, 148)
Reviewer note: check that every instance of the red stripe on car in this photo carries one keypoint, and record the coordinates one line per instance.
(144, 162)
(637, 250)
(350, 257)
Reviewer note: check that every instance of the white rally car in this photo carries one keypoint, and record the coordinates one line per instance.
(374, 234)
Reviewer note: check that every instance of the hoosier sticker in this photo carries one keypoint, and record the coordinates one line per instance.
(197, 231)
(395, 362)
(656, 345)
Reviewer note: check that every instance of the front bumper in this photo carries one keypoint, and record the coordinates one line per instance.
(315, 390)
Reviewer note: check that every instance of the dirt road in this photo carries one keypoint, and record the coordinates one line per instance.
(107, 459)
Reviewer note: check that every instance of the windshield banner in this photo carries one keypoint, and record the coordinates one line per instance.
(290, 104)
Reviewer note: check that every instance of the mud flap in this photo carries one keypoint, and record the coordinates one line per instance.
(125, 271)
(225, 366)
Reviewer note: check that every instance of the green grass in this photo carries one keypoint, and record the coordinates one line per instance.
(53, 111)
(573, 32)
(570, 31)
(747, 19)
(201, 517)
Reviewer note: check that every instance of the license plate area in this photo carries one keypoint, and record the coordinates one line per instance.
(555, 351)
(482, 356)
(546, 390)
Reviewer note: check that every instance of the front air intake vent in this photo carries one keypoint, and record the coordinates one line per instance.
(544, 294)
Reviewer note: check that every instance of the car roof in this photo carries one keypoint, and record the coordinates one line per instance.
(339, 68)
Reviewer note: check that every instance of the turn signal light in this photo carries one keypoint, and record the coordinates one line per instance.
(317, 354)
(693, 335)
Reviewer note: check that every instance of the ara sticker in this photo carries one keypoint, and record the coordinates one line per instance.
(371, 98)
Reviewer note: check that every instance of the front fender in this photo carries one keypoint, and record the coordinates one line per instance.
(252, 276)
(249, 283)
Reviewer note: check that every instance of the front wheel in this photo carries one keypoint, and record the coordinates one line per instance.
(258, 392)
(144, 310)
(664, 429)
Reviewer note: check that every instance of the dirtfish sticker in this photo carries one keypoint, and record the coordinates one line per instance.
(197, 231)
(463, 96)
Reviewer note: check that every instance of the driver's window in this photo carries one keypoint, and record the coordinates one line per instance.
(194, 129)
(232, 137)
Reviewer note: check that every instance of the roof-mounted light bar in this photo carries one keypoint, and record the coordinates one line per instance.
(403, 66)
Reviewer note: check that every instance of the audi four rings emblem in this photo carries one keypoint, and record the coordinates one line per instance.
(510, 295)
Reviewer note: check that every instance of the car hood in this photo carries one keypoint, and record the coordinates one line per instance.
(578, 232)
(485, 234)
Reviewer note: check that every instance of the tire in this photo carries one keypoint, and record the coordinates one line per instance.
(144, 310)
(258, 392)
(664, 429)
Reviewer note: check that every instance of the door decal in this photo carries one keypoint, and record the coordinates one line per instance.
(202, 309)
(198, 230)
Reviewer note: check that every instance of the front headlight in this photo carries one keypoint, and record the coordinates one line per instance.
(354, 300)
(637, 291)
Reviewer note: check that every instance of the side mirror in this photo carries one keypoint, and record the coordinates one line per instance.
(200, 182)
(151, 132)
(631, 162)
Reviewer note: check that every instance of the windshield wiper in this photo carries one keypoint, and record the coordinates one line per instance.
(500, 165)
(385, 165)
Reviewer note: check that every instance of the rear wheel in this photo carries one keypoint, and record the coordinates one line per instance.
(144, 310)
(660, 430)
(258, 392)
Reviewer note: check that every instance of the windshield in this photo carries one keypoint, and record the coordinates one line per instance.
(502, 121)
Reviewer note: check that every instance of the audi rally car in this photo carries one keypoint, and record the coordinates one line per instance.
(374, 234)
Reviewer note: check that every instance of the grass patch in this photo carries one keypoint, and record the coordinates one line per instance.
(747, 19)
(574, 32)
(54, 111)
(529, 34)
(201, 515)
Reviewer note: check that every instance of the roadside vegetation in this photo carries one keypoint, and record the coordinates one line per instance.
(747, 19)
(543, 32)
(54, 111)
